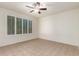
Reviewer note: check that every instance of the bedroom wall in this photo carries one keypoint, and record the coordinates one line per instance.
(10, 39)
(62, 27)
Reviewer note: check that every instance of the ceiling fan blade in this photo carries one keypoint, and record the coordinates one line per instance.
(31, 11)
(43, 8)
(29, 7)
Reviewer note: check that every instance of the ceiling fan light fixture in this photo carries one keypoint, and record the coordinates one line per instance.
(36, 10)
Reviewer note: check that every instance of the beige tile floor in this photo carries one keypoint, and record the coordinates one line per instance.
(39, 47)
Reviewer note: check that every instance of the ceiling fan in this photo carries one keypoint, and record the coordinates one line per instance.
(37, 6)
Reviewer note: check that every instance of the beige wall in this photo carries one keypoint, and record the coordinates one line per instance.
(10, 39)
(62, 27)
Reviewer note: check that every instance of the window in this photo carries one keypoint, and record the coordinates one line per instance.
(10, 25)
(18, 26)
(24, 26)
(21, 26)
(30, 26)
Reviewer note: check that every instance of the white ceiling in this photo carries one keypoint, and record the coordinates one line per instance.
(52, 7)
